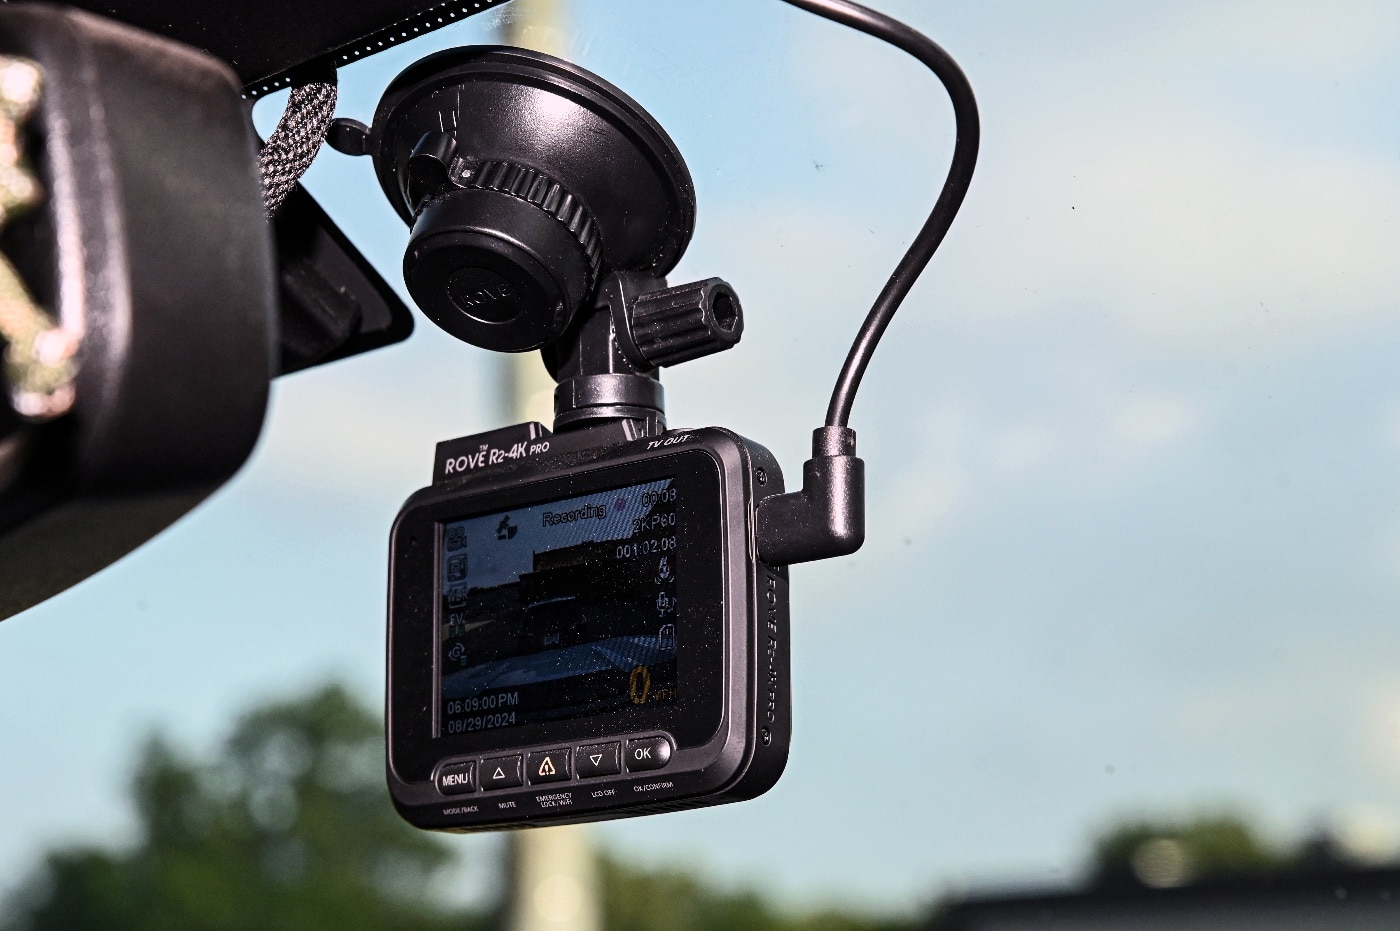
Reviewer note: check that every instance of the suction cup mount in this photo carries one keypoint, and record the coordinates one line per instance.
(525, 179)
(546, 208)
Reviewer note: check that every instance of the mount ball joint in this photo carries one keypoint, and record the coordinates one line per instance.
(526, 180)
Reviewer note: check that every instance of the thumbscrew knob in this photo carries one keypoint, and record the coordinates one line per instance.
(679, 324)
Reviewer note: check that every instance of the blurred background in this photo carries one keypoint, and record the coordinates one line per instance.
(1133, 569)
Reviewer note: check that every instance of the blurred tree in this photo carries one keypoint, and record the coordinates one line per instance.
(672, 900)
(1164, 854)
(290, 827)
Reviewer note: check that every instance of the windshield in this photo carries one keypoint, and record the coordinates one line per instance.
(1133, 448)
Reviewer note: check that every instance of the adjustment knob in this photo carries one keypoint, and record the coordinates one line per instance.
(687, 322)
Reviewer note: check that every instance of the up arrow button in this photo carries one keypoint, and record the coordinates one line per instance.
(501, 772)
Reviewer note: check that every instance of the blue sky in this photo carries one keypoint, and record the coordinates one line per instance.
(1133, 445)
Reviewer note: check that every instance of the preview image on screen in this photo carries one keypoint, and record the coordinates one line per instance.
(560, 610)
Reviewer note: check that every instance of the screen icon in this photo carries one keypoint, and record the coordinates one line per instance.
(457, 568)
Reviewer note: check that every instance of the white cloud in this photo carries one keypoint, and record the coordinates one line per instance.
(1381, 721)
(366, 429)
(1191, 232)
(918, 501)
(1333, 37)
(1144, 422)
(1124, 177)
(1022, 447)
(1390, 426)
(1369, 833)
(806, 281)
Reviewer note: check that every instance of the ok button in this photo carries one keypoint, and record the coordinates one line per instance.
(648, 753)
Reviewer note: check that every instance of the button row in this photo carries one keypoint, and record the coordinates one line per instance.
(546, 766)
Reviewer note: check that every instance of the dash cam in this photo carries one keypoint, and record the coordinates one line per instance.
(580, 622)
(583, 631)
(592, 622)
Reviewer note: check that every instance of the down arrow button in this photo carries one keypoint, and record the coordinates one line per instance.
(598, 760)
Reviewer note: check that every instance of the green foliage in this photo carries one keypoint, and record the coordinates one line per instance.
(290, 827)
(1172, 853)
(671, 900)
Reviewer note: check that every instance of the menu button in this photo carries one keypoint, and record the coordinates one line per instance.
(457, 779)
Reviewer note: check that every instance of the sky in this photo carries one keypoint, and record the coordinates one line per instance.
(1133, 447)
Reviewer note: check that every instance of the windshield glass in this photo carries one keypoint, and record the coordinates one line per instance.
(1133, 550)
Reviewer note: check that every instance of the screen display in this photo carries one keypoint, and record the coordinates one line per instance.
(560, 610)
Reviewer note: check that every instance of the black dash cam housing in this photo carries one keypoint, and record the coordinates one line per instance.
(580, 632)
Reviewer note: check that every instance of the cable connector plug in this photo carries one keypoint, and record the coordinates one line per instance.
(827, 517)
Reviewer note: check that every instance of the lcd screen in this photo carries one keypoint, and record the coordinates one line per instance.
(560, 610)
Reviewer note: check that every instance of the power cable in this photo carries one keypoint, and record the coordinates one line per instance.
(950, 198)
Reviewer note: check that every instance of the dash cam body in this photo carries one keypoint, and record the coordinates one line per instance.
(581, 629)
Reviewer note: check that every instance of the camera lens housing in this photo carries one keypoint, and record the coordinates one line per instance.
(525, 180)
(494, 270)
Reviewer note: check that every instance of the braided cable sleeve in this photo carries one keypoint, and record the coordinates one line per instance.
(293, 145)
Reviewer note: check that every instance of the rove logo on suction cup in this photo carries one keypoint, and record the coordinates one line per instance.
(484, 295)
